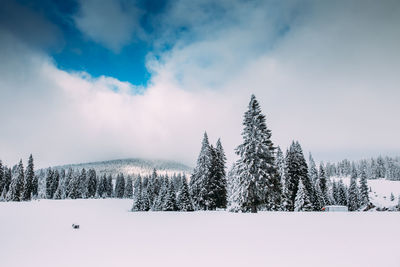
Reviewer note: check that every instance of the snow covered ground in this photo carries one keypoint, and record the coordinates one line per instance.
(39, 233)
(381, 191)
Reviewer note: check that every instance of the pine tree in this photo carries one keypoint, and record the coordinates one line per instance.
(83, 181)
(75, 189)
(220, 176)
(364, 198)
(256, 174)
(184, 201)
(62, 183)
(170, 199)
(58, 193)
(3, 195)
(128, 188)
(319, 197)
(56, 182)
(2, 179)
(296, 170)
(199, 181)
(28, 183)
(21, 179)
(91, 183)
(342, 193)
(7, 178)
(210, 187)
(41, 188)
(137, 195)
(302, 201)
(323, 183)
(312, 170)
(354, 195)
(35, 186)
(120, 186)
(281, 165)
(49, 183)
(380, 167)
(67, 183)
(391, 196)
(335, 193)
(152, 187)
(233, 190)
(17, 183)
(109, 186)
(12, 194)
(159, 201)
(176, 181)
(145, 199)
(102, 187)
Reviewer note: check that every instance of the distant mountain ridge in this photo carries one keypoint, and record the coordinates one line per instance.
(131, 166)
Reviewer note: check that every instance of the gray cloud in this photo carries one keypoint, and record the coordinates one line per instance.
(28, 27)
(111, 23)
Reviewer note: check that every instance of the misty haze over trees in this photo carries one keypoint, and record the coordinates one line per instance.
(263, 178)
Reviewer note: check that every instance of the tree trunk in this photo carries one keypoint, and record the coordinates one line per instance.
(253, 209)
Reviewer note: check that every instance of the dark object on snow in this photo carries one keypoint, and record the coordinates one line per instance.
(75, 226)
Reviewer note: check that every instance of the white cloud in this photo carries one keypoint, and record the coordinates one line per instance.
(64, 117)
(331, 82)
(111, 23)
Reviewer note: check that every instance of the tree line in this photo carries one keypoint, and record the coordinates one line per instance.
(263, 178)
(19, 184)
(375, 168)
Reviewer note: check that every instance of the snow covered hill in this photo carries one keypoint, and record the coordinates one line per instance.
(132, 166)
(39, 233)
(381, 191)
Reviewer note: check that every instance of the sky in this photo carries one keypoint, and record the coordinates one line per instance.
(89, 80)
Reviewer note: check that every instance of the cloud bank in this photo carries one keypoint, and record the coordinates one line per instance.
(326, 74)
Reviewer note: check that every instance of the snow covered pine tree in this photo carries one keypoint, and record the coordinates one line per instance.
(302, 201)
(296, 171)
(28, 183)
(255, 178)
(199, 180)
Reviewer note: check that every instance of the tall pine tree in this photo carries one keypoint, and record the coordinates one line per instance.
(17, 183)
(129, 187)
(199, 180)
(296, 170)
(91, 183)
(219, 174)
(302, 201)
(109, 186)
(323, 182)
(256, 177)
(170, 199)
(120, 186)
(184, 201)
(364, 198)
(2, 179)
(137, 195)
(75, 189)
(354, 195)
(28, 183)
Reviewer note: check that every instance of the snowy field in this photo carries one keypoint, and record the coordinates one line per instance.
(39, 233)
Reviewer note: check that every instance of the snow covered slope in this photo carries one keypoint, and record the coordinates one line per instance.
(39, 233)
(381, 191)
(132, 166)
